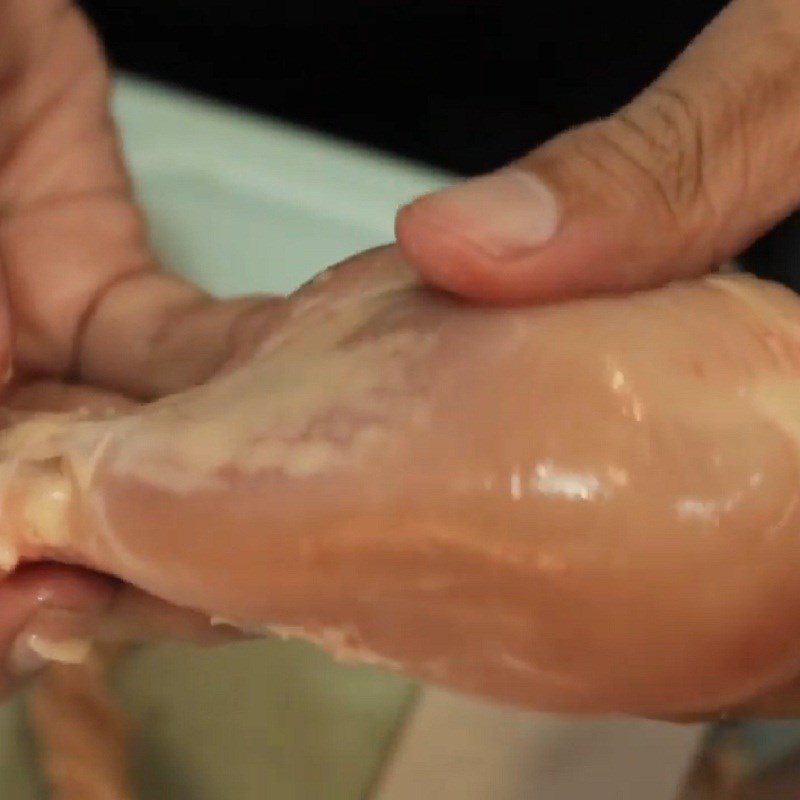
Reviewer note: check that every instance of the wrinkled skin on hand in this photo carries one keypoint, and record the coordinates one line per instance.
(586, 506)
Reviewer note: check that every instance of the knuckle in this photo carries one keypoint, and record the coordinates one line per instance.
(682, 155)
(664, 133)
(665, 140)
(682, 132)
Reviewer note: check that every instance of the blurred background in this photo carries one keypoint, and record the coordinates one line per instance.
(463, 85)
(460, 84)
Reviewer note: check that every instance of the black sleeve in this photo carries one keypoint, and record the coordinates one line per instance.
(777, 254)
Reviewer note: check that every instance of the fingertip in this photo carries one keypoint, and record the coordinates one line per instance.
(443, 257)
(69, 587)
(581, 259)
(51, 605)
(504, 237)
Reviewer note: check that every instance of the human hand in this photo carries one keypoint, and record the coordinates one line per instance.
(683, 177)
(82, 299)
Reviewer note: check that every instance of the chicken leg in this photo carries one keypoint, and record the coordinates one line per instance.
(584, 506)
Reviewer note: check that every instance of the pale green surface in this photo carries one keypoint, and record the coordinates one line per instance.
(243, 205)
(258, 720)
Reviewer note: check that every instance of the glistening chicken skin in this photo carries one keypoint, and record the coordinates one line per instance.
(586, 506)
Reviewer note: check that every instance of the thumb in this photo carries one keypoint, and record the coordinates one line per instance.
(687, 174)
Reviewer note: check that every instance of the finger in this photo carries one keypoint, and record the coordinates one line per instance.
(687, 174)
(153, 334)
(88, 297)
(46, 613)
(81, 731)
(69, 226)
(55, 613)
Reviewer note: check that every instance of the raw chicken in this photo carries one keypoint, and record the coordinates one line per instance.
(588, 506)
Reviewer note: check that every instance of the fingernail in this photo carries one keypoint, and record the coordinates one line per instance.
(506, 213)
(32, 652)
(24, 661)
(53, 635)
